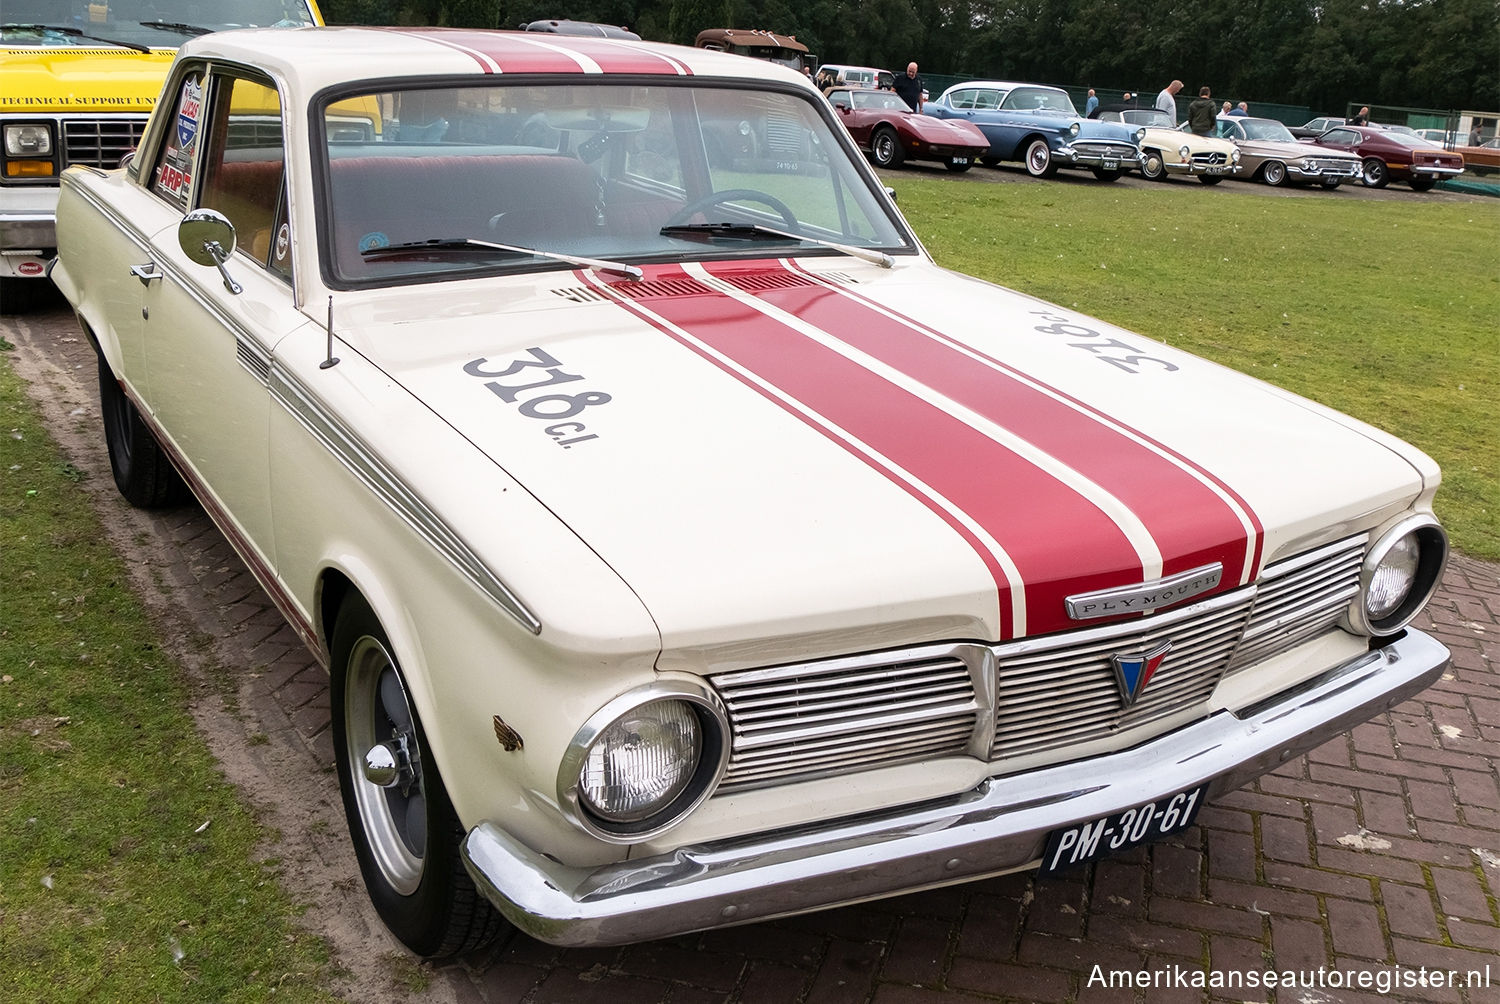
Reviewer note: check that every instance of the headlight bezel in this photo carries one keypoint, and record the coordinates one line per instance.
(713, 759)
(23, 166)
(1432, 559)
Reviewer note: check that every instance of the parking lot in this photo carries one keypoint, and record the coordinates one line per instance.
(1377, 854)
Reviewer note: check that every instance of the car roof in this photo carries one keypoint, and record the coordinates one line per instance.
(315, 58)
(998, 84)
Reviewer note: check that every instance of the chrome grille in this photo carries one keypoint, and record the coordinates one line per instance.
(100, 142)
(1062, 690)
(1210, 159)
(845, 715)
(1339, 166)
(1048, 693)
(1113, 151)
(1300, 598)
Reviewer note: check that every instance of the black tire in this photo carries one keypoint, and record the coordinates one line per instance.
(1210, 179)
(1332, 183)
(1273, 173)
(958, 168)
(1422, 184)
(1104, 175)
(990, 161)
(885, 148)
(1376, 175)
(22, 296)
(1039, 161)
(143, 472)
(1152, 167)
(406, 836)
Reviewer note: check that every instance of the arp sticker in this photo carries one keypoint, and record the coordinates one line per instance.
(189, 112)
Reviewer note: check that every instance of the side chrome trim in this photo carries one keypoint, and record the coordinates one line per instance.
(395, 493)
(1145, 596)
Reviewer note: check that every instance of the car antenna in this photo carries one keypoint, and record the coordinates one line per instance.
(332, 359)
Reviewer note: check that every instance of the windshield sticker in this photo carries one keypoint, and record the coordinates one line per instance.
(189, 110)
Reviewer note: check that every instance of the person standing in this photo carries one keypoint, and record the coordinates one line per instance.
(1363, 118)
(1241, 109)
(1202, 113)
(909, 88)
(1167, 99)
(1091, 105)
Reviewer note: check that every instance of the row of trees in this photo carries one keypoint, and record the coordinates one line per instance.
(1320, 53)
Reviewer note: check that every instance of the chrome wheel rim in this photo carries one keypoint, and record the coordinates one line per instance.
(1275, 174)
(884, 146)
(1038, 157)
(376, 712)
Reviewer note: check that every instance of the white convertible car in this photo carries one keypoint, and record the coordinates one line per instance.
(686, 547)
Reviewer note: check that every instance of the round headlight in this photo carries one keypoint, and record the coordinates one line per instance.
(1074, 128)
(1307, 163)
(1185, 153)
(641, 761)
(1140, 134)
(644, 761)
(1234, 155)
(1400, 572)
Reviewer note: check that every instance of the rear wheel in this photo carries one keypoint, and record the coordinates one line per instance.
(405, 833)
(1376, 175)
(143, 472)
(1152, 168)
(1420, 184)
(1039, 162)
(885, 148)
(1273, 173)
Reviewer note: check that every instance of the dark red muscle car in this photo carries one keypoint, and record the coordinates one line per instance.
(1394, 156)
(890, 132)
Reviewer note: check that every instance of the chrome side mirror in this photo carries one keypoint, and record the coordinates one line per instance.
(207, 238)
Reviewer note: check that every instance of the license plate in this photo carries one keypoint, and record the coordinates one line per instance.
(1085, 842)
(1110, 165)
(960, 160)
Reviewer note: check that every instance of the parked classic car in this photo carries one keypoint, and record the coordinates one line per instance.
(1270, 153)
(1167, 150)
(891, 133)
(1481, 159)
(1039, 127)
(686, 547)
(860, 76)
(1393, 156)
(1313, 128)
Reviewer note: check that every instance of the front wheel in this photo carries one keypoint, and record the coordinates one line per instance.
(1376, 175)
(1152, 166)
(1422, 184)
(1039, 162)
(885, 148)
(143, 473)
(405, 832)
(1274, 173)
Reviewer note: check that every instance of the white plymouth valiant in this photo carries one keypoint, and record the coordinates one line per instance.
(685, 546)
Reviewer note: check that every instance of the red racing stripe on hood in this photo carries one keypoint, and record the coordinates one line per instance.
(1057, 541)
(1194, 517)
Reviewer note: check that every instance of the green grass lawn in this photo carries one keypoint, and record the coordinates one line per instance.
(1386, 310)
(129, 868)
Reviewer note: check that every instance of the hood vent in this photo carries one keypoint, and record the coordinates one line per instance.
(653, 289)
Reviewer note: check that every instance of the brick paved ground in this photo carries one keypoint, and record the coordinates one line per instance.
(1379, 850)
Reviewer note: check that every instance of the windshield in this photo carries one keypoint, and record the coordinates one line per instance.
(161, 24)
(1267, 129)
(1153, 117)
(603, 171)
(879, 100)
(1046, 99)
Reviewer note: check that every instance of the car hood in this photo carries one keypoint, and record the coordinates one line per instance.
(776, 449)
(96, 78)
(1173, 139)
(1292, 150)
(949, 131)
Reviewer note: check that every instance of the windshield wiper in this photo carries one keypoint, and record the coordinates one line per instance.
(186, 29)
(63, 29)
(468, 246)
(760, 232)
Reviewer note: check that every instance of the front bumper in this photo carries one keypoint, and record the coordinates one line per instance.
(1109, 158)
(1348, 171)
(1194, 167)
(1000, 826)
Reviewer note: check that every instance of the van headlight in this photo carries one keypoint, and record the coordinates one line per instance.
(1400, 572)
(644, 761)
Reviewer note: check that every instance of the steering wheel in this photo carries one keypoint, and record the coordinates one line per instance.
(732, 195)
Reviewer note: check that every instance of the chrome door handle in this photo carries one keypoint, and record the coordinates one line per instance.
(146, 272)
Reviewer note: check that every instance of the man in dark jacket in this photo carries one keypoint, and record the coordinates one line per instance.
(1202, 114)
(909, 87)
